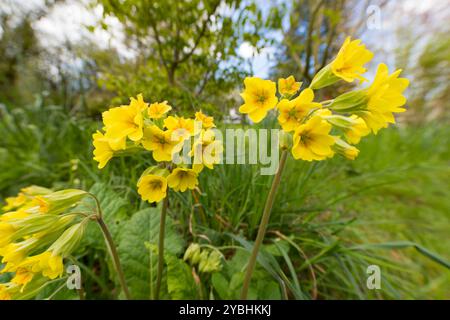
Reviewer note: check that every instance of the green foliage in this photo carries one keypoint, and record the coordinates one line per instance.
(138, 255)
(180, 282)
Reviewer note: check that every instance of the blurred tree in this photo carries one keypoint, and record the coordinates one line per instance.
(186, 51)
(19, 49)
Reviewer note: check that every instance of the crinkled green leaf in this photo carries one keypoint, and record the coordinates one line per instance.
(138, 240)
(180, 282)
(115, 214)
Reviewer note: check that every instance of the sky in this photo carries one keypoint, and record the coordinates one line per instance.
(69, 22)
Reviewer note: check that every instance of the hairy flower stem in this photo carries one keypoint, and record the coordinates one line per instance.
(162, 228)
(114, 255)
(263, 225)
(111, 246)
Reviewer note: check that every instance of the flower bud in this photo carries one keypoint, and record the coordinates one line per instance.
(343, 148)
(324, 78)
(285, 139)
(59, 201)
(191, 251)
(67, 242)
(350, 102)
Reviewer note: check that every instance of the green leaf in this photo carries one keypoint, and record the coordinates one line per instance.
(114, 209)
(404, 245)
(180, 282)
(220, 283)
(137, 238)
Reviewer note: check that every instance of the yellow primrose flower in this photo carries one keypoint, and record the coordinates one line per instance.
(385, 97)
(312, 140)
(160, 142)
(183, 128)
(4, 291)
(358, 130)
(14, 253)
(49, 264)
(14, 202)
(259, 97)
(288, 86)
(350, 60)
(22, 277)
(182, 178)
(343, 148)
(124, 121)
(152, 187)
(158, 110)
(102, 150)
(19, 214)
(292, 112)
(6, 233)
(207, 122)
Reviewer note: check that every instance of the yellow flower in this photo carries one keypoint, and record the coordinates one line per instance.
(183, 128)
(357, 130)
(292, 112)
(23, 276)
(160, 142)
(343, 148)
(19, 214)
(14, 202)
(49, 264)
(207, 122)
(152, 187)
(103, 151)
(4, 292)
(350, 60)
(385, 97)
(6, 233)
(14, 253)
(288, 86)
(259, 97)
(182, 178)
(312, 140)
(158, 110)
(124, 121)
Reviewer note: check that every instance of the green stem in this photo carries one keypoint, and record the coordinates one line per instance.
(162, 228)
(263, 225)
(114, 255)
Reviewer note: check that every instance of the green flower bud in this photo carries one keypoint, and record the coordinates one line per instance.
(341, 122)
(324, 78)
(343, 148)
(285, 139)
(350, 102)
(40, 223)
(212, 263)
(68, 241)
(59, 201)
(191, 251)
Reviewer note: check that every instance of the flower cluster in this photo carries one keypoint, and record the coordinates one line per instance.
(37, 231)
(319, 130)
(141, 125)
(206, 259)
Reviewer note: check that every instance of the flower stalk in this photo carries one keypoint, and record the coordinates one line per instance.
(111, 246)
(115, 256)
(162, 228)
(263, 225)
